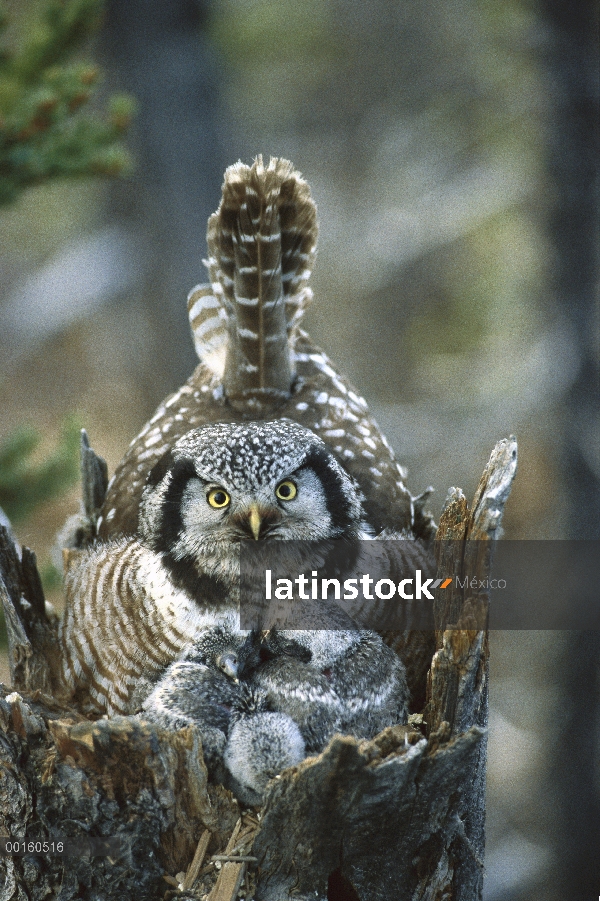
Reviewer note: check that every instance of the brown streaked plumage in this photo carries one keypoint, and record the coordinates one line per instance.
(124, 620)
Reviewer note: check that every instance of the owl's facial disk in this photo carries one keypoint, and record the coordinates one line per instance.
(201, 499)
(293, 508)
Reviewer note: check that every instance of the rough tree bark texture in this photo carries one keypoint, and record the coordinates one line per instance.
(399, 817)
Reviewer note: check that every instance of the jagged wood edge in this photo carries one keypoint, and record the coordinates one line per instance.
(31, 625)
(457, 696)
(94, 480)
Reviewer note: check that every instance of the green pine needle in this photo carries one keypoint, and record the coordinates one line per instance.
(25, 485)
(46, 128)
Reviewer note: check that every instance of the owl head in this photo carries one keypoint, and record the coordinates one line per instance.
(266, 481)
(230, 651)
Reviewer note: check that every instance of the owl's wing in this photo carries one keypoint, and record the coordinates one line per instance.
(113, 630)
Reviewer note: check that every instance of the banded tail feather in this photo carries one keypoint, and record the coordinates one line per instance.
(262, 244)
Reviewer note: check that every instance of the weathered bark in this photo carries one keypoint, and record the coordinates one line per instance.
(31, 624)
(66, 779)
(399, 817)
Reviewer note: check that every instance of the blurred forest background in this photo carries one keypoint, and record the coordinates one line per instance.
(451, 147)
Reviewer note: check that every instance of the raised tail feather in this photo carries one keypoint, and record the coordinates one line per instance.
(262, 244)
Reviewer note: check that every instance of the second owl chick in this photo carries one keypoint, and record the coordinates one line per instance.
(353, 683)
(202, 688)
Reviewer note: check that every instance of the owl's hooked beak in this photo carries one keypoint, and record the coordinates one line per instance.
(229, 664)
(255, 521)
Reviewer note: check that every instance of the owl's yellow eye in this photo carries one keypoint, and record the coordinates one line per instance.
(286, 491)
(218, 498)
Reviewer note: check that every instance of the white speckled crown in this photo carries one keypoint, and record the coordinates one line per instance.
(250, 454)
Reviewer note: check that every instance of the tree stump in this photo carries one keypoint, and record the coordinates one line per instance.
(398, 817)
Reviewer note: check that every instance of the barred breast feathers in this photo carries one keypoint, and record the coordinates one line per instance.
(262, 244)
(124, 618)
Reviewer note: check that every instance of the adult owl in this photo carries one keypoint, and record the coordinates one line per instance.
(256, 365)
(135, 603)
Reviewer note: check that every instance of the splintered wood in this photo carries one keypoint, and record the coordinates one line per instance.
(194, 867)
(232, 873)
(225, 871)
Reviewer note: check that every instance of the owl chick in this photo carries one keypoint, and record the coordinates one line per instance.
(303, 693)
(244, 743)
(351, 683)
(134, 604)
(202, 688)
(259, 748)
(370, 680)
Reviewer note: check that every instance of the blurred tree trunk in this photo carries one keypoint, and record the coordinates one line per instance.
(573, 68)
(162, 53)
(575, 774)
(574, 148)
